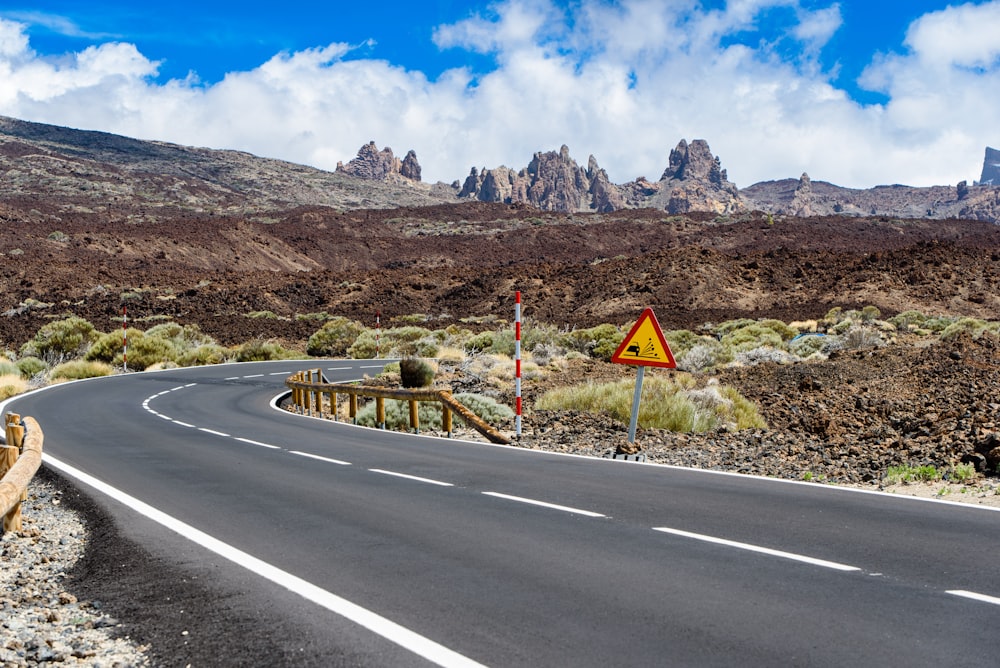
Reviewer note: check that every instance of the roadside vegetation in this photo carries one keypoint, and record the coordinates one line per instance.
(481, 350)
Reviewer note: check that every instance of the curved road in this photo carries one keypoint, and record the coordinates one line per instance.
(393, 549)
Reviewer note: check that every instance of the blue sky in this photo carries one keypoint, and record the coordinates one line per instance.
(854, 92)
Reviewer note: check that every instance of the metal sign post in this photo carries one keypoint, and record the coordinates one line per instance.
(643, 346)
(634, 421)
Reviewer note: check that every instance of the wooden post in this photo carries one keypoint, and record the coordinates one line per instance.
(414, 417)
(446, 419)
(15, 441)
(333, 405)
(380, 412)
(353, 410)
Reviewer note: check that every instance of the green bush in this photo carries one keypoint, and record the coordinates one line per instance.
(9, 369)
(397, 415)
(31, 367)
(908, 319)
(182, 337)
(681, 341)
(208, 353)
(485, 407)
(334, 338)
(78, 369)
(70, 337)
(972, 326)
(752, 336)
(143, 351)
(415, 372)
(260, 350)
(480, 342)
(599, 342)
(107, 346)
(705, 355)
(666, 404)
(363, 347)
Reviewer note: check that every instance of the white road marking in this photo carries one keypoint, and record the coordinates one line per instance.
(376, 366)
(756, 548)
(212, 431)
(280, 373)
(183, 424)
(255, 375)
(974, 596)
(391, 631)
(322, 459)
(412, 477)
(263, 445)
(544, 504)
(174, 389)
(232, 378)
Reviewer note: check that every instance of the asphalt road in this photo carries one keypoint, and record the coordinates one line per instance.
(390, 549)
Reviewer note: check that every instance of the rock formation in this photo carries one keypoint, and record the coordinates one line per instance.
(375, 165)
(991, 168)
(695, 181)
(552, 181)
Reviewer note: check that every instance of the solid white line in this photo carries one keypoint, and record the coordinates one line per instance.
(183, 424)
(212, 431)
(756, 548)
(412, 477)
(533, 502)
(263, 445)
(391, 631)
(974, 596)
(322, 459)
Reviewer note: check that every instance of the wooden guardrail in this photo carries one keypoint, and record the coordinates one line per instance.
(309, 390)
(20, 459)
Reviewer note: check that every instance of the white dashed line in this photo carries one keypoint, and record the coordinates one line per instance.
(183, 424)
(263, 445)
(412, 477)
(322, 459)
(544, 504)
(756, 548)
(974, 596)
(255, 375)
(215, 433)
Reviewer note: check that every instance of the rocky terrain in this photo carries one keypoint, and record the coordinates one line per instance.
(251, 248)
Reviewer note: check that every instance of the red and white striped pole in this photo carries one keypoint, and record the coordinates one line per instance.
(517, 363)
(378, 331)
(125, 338)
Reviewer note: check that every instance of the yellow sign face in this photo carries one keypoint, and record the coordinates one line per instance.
(644, 345)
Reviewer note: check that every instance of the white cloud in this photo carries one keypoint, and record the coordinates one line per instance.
(623, 81)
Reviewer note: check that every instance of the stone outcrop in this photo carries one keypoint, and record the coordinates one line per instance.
(410, 168)
(552, 181)
(991, 168)
(695, 181)
(374, 165)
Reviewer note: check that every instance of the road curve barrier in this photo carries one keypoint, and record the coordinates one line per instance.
(21, 456)
(312, 396)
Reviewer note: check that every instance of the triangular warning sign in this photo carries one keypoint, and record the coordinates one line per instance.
(644, 345)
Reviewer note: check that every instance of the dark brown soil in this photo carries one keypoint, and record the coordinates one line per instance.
(452, 262)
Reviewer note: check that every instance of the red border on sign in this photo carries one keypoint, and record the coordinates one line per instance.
(638, 361)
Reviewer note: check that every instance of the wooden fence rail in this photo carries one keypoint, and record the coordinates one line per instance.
(309, 390)
(22, 455)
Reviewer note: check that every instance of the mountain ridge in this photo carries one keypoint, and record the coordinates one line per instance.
(87, 172)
